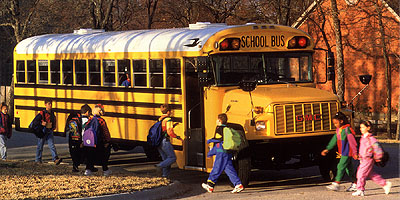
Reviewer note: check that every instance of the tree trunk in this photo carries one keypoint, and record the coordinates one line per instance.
(387, 71)
(398, 117)
(339, 51)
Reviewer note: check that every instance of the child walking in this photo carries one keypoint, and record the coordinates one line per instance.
(5, 130)
(223, 159)
(166, 149)
(347, 148)
(369, 152)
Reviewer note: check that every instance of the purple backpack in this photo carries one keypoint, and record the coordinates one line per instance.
(89, 136)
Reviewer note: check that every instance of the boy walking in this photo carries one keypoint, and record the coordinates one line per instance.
(223, 159)
(5, 130)
(74, 129)
(48, 121)
(166, 149)
(102, 149)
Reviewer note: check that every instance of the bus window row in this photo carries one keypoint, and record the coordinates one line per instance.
(91, 72)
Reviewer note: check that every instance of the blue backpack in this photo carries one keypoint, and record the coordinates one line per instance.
(89, 136)
(155, 135)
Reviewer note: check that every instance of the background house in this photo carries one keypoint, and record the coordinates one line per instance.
(362, 49)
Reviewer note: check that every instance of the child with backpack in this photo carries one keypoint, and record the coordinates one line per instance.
(5, 130)
(166, 149)
(223, 159)
(369, 153)
(96, 141)
(47, 121)
(74, 130)
(347, 147)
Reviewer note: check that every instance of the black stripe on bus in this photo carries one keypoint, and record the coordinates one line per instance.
(104, 102)
(102, 88)
(108, 114)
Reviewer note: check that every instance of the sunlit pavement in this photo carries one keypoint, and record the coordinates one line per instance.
(286, 184)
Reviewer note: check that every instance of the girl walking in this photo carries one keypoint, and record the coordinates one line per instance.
(369, 152)
(347, 148)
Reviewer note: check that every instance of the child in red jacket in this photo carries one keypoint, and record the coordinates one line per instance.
(5, 130)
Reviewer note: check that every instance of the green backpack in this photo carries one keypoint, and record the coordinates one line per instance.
(232, 139)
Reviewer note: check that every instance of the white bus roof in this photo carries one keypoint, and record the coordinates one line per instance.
(94, 41)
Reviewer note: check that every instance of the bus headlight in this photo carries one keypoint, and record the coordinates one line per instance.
(260, 125)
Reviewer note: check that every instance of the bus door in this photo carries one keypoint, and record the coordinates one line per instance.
(194, 105)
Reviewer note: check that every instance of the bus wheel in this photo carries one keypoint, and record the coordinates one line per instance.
(243, 168)
(151, 153)
(328, 167)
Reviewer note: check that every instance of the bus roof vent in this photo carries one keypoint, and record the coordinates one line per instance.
(83, 31)
(201, 25)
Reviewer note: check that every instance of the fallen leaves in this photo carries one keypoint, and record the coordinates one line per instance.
(27, 180)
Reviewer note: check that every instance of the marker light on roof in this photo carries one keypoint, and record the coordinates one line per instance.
(302, 42)
(298, 42)
(230, 44)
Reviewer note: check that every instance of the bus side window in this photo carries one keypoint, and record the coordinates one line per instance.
(80, 72)
(156, 73)
(55, 71)
(173, 73)
(43, 71)
(31, 71)
(20, 71)
(94, 72)
(124, 72)
(139, 73)
(109, 72)
(67, 72)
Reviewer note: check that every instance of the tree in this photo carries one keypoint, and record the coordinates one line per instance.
(151, 7)
(221, 10)
(339, 50)
(101, 13)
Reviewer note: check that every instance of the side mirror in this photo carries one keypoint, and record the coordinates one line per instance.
(365, 79)
(331, 73)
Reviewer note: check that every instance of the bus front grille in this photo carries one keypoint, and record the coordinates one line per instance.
(304, 117)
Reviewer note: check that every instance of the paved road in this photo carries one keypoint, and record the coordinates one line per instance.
(286, 184)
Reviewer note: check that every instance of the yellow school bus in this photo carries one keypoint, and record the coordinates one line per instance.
(259, 74)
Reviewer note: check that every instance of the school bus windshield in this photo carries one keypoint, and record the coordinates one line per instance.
(265, 68)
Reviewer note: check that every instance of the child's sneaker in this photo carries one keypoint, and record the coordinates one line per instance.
(238, 188)
(107, 172)
(358, 193)
(207, 187)
(334, 186)
(387, 187)
(88, 172)
(352, 188)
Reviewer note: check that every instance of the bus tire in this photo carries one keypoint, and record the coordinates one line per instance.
(151, 153)
(328, 167)
(243, 168)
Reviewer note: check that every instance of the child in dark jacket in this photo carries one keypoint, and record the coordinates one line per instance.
(74, 128)
(5, 130)
(347, 149)
(48, 121)
(223, 159)
(103, 149)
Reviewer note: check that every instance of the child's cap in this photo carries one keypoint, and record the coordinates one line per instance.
(100, 106)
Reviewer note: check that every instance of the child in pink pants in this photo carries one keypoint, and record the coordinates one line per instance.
(369, 152)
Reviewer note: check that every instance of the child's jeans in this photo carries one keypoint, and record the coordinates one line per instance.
(365, 171)
(49, 137)
(345, 166)
(167, 153)
(3, 148)
(223, 162)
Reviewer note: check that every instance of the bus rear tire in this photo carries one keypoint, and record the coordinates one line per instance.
(151, 153)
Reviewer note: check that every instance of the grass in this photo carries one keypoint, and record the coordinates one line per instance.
(28, 180)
